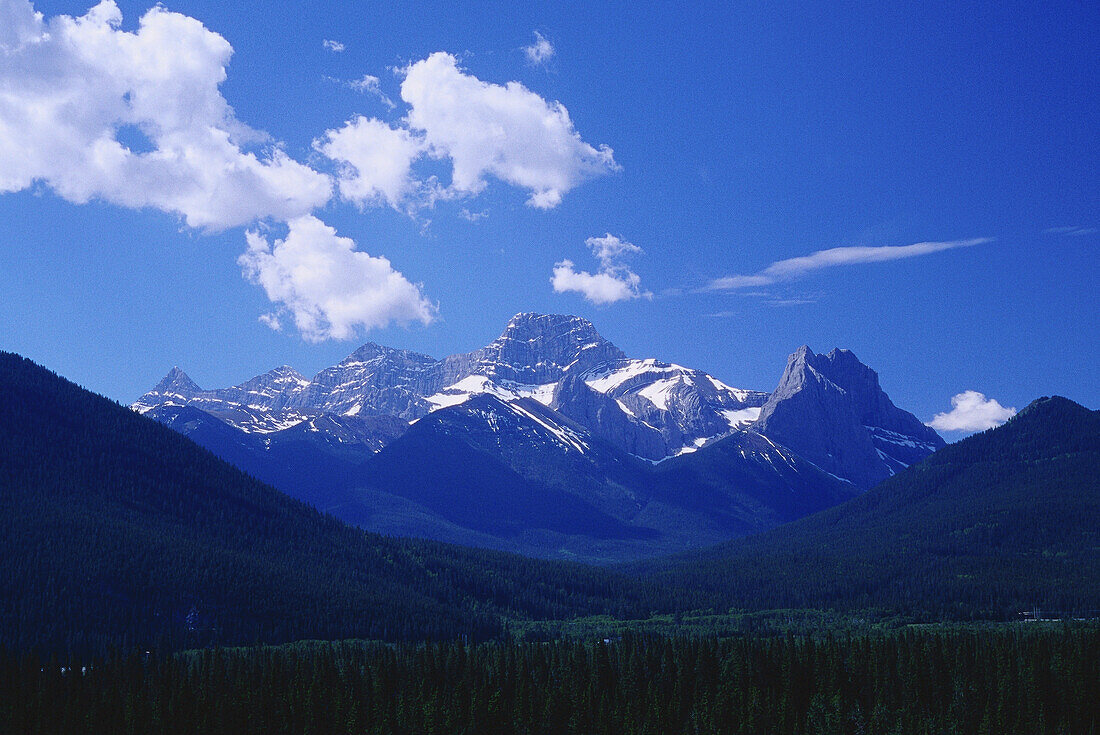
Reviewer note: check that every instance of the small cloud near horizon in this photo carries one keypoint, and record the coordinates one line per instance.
(972, 411)
(334, 46)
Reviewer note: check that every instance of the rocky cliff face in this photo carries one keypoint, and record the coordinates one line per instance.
(536, 349)
(831, 410)
(607, 419)
(651, 409)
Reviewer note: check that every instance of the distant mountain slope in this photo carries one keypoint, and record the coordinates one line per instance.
(120, 532)
(831, 410)
(528, 479)
(573, 424)
(1003, 521)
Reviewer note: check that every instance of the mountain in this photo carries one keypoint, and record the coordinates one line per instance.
(1000, 522)
(577, 427)
(558, 360)
(831, 410)
(516, 475)
(119, 532)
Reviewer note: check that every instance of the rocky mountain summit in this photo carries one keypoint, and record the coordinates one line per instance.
(651, 409)
(831, 410)
(550, 441)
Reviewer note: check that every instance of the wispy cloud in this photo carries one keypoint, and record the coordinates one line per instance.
(370, 84)
(540, 52)
(613, 282)
(791, 268)
(1072, 230)
(334, 46)
(469, 216)
(790, 302)
(972, 411)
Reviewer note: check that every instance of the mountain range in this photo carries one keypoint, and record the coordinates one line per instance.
(551, 442)
(121, 533)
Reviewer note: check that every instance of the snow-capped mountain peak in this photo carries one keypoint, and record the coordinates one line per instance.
(828, 408)
(536, 349)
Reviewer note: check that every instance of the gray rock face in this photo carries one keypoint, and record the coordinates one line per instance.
(536, 349)
(374, 380)
(603, 416)
(831, 410)
(828, 408)
(177, 382)
(686, 408)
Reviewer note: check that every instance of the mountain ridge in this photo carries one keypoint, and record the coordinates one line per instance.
(649, 408)
(591, 437)
(121, 533)
(1003, 521)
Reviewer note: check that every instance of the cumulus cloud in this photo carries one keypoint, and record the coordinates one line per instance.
(972, 411)
(375, 161)
(69, 86)
(508, 132)
(334, 46)
(791, 268)
(484, 130)
(614, 281)
(326, 286)
(539, 52)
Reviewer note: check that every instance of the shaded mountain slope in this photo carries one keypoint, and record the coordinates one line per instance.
(531, 480)
(1003, 521)
(120, 532)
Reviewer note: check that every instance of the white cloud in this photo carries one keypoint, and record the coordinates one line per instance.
(376, 161)
(1073, 230)
(540, 51)
(508, 132)
(329, 288)
(271, 320)
(599, 288)
(608, 249)
(613, 282)
(69, 85)
(482, 129)
(334, 46)
(371, 84)
(972, 411)
(469, 216)
(785, 270)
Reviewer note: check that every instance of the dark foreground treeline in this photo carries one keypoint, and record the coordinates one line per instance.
(1020, 680)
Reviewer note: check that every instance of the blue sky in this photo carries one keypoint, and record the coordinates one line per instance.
(709, 143)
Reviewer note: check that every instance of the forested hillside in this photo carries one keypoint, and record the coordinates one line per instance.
(1001, 522)
(118, 532)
